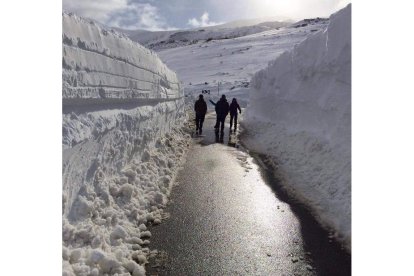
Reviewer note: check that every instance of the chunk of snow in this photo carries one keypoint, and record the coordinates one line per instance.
(145, 234)
(142, 227)
(118, 233)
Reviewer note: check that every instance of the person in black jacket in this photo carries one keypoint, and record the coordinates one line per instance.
(200, 108)
(222, 109)
(233, 113)
(215, 108)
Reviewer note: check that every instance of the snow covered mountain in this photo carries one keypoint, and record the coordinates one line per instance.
(123, 142)
(227, 65)
(299, 115)
(251, 22)
(171, 39)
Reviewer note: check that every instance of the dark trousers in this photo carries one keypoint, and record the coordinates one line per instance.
(233, 117)
(199, 121)
(220, 123)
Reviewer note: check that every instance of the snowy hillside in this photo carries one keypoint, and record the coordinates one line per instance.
(254, 21)
(171, 39)
(228, 65)
(123, 142)
(300, 116)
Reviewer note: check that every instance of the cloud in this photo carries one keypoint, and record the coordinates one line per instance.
(203, 22)
(153, 14)
(296, 9)
(139, 16)
(95, 9)
(283, 9)
(119, 13)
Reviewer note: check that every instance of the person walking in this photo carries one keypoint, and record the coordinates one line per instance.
(215, 109)
(233, 113)
(222, 109)
(200, 108)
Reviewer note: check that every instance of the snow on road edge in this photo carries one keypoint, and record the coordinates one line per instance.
(300, 116)
(123, 143)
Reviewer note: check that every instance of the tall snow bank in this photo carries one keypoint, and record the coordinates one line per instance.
(300, 116)
(99, 63)
(123, 142)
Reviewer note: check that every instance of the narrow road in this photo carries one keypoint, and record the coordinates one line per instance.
(228, 217)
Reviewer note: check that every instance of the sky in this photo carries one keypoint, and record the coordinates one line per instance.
(158, 15)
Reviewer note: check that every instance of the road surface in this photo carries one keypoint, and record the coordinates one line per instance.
(227, 216)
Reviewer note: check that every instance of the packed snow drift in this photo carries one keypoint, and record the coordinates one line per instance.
(123, 142)
(299, 115)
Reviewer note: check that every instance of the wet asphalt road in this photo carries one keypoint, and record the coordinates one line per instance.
(229, 217)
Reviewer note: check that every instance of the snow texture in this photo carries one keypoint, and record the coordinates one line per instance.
(100, 64)
(123, 142)
(299, 115)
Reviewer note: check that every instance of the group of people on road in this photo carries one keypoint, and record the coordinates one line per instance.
(222, 108)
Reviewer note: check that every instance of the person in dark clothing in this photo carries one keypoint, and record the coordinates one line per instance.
(219, 137)
(233, 113)
(215, 108)
(222, 109)
(200, 108)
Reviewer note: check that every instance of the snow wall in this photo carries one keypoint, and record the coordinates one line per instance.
(123, 142)
(299, 115)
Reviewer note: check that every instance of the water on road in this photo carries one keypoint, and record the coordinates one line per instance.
(228, 217)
